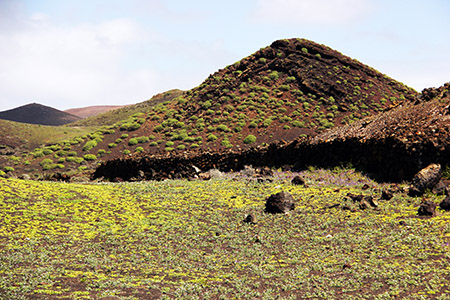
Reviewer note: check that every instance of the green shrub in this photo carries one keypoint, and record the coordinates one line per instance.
(61, 160)
(124, 136)
(37, 154)
(131, 126)
(181, 147)
(112, 145)
(82, 168)
(77, 160)
(133, 141)
(2, 174)
(297, 123)
(126, 152)
(273, 75)
(194, 145)
(249, 139)
(211, 137)
(170, 144)
(90, 157)
(168, 149)
(89, 145)
(304, 50)
(47, 151)
(101, 152)
(139, 150)
(8, 169)
(153, 144)
(223, 128)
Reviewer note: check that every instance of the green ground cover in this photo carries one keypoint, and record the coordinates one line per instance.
(187, 240)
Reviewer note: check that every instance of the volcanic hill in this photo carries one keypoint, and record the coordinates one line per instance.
(290, 89)
(38, 114)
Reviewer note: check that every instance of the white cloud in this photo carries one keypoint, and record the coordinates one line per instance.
(71, 66)
(315, 12)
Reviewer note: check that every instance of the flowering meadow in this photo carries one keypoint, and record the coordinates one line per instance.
(180, 239)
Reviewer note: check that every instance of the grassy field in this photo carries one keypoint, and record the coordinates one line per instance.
(30, 136)
(187, 240)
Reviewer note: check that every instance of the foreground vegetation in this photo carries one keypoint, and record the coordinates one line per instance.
(187, 240)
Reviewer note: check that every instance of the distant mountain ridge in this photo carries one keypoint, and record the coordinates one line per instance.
(90, 111)
(35, 113)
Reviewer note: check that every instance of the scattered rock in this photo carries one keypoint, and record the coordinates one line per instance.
(426, 178)
(427, 208)
(298, 180)
(346, 266)
(355, 198)
(265, 171)
(248, 171)
(264, 180)
(364, 204)
(371, 201)
(445, 204)
(249, 219)
(214, 173)
(25, 177)
(440, 188)
(281, 202)
(365, 187)
(387, 195)
(204, 176)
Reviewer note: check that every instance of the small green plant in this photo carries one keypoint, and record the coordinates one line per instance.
(139, 149)
(90, 157)
(112, 145)
(211, 137)
(90, 145)
(8, 169)
(249, 139)
(169, 144)
(133, 142)
(126, 152)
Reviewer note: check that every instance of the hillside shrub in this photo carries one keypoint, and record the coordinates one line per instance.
(194, 145)
(131, 126)
(101, 152)
(153, 144)
(297, 123)
(170, 144)
(211, 137)
(90, 157)
(133, 141)
(181, 147)
(249, 139)
(169, 149)
(75, 159)
(139, 149)
(90, 145)
(126, 152)
(8, 169)
(112, 145)
(47, 151)
(2, 173)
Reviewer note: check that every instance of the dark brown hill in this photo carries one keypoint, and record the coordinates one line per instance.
(391, 147)
(38, 114)
(292, 88)
(90, 111)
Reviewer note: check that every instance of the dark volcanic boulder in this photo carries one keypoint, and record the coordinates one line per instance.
(281, 202)
(445, 204)
(427, 208)
(298, 180)
(427, 178)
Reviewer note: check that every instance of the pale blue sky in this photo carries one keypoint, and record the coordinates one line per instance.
(76, 53)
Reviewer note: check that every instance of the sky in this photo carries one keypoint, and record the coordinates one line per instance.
(77, 53)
